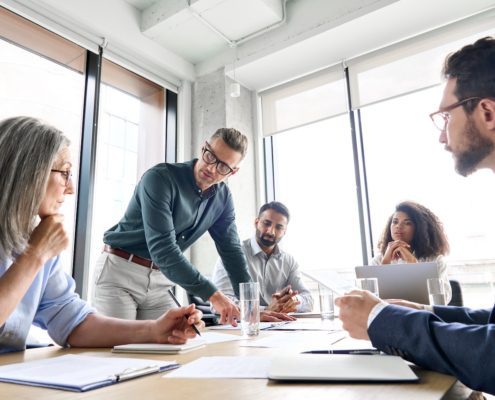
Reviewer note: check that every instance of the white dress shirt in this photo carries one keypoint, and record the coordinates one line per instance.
(272, 272)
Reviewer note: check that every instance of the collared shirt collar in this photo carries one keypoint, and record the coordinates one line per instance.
(205, 194)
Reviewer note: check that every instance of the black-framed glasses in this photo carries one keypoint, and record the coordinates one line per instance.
(67, 175)
(210, 158)
(441, 117)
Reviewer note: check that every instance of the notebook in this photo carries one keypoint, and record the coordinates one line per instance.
(156, 348)
(79, 373)
(341, 368)
(401, 281)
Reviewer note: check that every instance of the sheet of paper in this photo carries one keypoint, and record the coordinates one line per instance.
(263, 326)
(224, 367)
(297, 341)
(309, 325)
(305, 314)
(215, 337)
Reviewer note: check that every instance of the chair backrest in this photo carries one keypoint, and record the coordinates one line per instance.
(208, 317)
(456, 294)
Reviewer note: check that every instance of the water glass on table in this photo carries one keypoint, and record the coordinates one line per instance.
(369, 284)
(436, 292)
(249, 293)
(326, 303)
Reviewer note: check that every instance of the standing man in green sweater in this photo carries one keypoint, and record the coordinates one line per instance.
(172, 206)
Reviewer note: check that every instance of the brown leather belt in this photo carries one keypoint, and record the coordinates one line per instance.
(130, 257)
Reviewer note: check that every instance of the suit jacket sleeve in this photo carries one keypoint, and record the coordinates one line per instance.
(466, 351)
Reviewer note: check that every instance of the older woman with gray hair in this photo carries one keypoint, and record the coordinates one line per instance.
(35, 177)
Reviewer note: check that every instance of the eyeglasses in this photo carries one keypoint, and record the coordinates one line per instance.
(441, 117)
(210, 158)
(67, 175)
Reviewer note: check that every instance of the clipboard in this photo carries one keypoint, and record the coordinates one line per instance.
(79, 373)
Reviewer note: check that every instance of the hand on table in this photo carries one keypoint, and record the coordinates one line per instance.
(228, 310)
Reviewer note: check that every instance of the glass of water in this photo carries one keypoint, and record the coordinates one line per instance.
(436, 292)
(250, 308)
(326, 303)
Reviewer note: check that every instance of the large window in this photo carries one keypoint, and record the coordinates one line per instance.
(42, 75)
(398, 157)
(131, 139)
(315, 179)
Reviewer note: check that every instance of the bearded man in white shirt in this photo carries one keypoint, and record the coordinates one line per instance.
(277, 272)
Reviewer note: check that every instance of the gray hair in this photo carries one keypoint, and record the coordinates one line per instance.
(232, 138)
(28, 149)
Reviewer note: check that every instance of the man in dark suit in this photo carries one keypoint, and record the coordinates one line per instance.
(453, 340)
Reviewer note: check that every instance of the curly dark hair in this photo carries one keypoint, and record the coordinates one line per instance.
(473, 68)
(429, 238)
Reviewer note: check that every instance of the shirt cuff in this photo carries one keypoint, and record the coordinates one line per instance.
(377, 309)
(428, 307)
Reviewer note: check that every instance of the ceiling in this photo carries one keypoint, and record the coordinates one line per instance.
(219, 24)
(271, 41)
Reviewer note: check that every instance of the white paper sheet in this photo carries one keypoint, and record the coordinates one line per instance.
(297, 341)
(309, 325)
(215, 337)
(224, 367)
(263, 326)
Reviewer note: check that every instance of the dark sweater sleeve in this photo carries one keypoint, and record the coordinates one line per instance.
(466, 351)
(155, 195)
(224, 233)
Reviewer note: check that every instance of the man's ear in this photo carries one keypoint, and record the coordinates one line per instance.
(236, 169)
(487, 107)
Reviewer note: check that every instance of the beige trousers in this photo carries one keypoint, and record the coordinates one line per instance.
(127, 290)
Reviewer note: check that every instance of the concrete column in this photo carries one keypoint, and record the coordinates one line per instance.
(213, 108)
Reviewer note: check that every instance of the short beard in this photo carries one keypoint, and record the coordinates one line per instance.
(265, 242)
(478, 147)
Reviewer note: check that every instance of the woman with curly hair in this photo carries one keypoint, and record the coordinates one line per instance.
(414, 234)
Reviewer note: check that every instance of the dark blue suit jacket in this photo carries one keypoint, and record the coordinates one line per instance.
(455, 340)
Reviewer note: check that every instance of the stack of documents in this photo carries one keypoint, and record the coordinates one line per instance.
(80, 373)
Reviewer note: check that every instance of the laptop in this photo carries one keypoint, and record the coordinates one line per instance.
(341, 368)
(401, 281)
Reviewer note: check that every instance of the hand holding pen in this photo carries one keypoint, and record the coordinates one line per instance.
(185, 316)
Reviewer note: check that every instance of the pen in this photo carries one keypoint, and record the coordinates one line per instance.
(178, 305)
(355, 352)
(134, 373)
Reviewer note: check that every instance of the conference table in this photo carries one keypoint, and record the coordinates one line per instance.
(431, 385)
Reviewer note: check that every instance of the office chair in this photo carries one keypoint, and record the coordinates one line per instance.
(456, 294)
(208, 317)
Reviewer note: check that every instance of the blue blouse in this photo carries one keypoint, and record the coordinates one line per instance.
(50, 303)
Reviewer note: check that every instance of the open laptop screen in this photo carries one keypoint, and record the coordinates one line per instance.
(401, 281)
